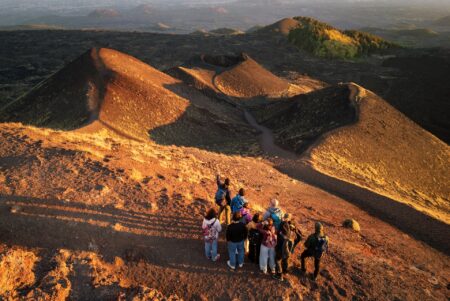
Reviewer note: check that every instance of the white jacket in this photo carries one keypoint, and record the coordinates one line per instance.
(214, 223)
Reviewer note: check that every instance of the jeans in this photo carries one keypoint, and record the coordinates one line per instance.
(232, 247)
(211, 249)
(227, 210)
(267, 254)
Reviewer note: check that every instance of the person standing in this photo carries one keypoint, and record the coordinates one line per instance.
(237, 203)
(275, 213)
(211, 229)
(285, 246)
(223, 199)
(236, 235)
(254, 238)
(316, 244)
(268, 243)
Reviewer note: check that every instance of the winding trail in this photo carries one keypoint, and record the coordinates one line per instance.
(407, 219)
(267, 140)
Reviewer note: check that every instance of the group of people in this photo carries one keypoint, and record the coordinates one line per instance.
(267, 239)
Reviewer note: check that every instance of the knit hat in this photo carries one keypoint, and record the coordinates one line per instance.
(319, 228)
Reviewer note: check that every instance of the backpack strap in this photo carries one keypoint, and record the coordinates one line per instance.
(212, 224)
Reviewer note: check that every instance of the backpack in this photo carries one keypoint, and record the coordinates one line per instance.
(236, 204)
(321, 246)
(276, 220)
(220, 196)
(210, 232)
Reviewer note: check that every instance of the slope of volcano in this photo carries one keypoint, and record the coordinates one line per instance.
(239, 77)
(363, 140)
(115, 90)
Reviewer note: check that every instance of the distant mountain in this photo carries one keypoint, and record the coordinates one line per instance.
(324, 40)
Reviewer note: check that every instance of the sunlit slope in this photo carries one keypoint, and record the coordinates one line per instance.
(389, 154)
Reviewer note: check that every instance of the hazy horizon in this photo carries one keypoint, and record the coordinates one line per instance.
(189, 15)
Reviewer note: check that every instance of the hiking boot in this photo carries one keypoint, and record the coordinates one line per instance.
(216, 258)
(230, 266)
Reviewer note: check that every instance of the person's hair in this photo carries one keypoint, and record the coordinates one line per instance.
(287, 217)
(227, 182)
(257, 218)
(212, 213)
(237, 216)
(269, 223)
(246, 205)
(241, 192)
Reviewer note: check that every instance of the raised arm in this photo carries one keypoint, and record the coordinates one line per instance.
(218, 181)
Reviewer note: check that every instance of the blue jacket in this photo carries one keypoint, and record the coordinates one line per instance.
(237, 203)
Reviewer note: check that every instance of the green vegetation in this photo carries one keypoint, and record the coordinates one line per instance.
(324, 40)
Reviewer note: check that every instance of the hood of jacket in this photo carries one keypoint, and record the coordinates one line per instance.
(275, 210)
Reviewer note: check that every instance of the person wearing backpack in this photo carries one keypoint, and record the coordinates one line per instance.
(275, 213)
(254, 238)
(211, 228)
(236, 235)
(316, 244)
(237, 203)
(223, 199)
(268, 243)
(285, 240)
(246, 218)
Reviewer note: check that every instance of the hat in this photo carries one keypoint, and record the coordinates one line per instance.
(287, 216)
(274, 203)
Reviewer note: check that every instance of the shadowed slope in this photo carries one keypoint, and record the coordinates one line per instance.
(67, 99)
(299, 121)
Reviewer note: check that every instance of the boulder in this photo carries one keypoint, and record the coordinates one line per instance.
(351, 224)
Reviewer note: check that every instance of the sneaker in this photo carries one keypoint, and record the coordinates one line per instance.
(216, 258)
(272, 272)
(230, 266)
(264, 272)
(241, 265)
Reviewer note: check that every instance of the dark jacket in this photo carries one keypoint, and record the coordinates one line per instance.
(284, 241)
(222, 186)
(312, 243)
(236, 232)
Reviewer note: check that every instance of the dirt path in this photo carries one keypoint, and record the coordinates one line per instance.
(401, 216)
